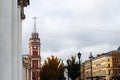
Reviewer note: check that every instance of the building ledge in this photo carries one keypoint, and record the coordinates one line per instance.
(22, 4)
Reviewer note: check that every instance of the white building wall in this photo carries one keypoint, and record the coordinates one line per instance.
(19, 54)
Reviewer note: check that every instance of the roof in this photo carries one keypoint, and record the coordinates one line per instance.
(106, 54)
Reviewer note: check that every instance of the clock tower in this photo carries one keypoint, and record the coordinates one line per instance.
(34, 54)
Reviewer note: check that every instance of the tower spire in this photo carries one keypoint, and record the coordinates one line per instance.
(34, 30)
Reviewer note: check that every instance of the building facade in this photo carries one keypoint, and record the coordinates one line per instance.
(115, 65)
(31, 67)
(11, 16)
(86, 70)
(26, 67)
(101, 66)
(105, 66)
(34, 55)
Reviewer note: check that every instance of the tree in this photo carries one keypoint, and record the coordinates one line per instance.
(52, 69)
(118, 49)
(73, 68)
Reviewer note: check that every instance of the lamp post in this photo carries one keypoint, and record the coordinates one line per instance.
(68, 62)
(79, 56)
(91, 57)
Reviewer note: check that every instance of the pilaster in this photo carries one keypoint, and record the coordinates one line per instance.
(14, 40)
(19, 54)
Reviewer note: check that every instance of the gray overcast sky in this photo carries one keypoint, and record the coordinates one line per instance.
(66, 27)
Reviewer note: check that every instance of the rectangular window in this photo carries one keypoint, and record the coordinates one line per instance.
(109, 72)
(108, 65)
(35, 63)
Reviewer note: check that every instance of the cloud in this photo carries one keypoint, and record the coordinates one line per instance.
(66, 53)
(67, 26)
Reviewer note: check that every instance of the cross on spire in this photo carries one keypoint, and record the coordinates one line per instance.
(34, 30)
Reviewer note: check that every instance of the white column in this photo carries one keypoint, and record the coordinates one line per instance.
(24, 73)
(27, 74)
(5, 40)
(31, 69)
(19, 54)
(14, 40)
(10, 41)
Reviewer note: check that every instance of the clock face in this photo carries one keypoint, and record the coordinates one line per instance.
(34, 47)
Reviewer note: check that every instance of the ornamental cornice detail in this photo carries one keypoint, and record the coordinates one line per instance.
(22, 4)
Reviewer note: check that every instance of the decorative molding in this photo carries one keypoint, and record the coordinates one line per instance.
(23, 3)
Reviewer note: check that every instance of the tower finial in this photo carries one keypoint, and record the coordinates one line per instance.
(34, 30)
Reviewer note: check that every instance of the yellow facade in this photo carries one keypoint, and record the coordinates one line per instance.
(100, 66)
(105, 66)
(87, 69)
(115, 67)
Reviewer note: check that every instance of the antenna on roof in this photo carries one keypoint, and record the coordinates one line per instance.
(34, 30)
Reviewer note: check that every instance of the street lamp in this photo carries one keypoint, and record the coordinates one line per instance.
(68, 62)
(91, 57)
(79, 56)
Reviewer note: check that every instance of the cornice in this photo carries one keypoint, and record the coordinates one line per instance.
(22, 4)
